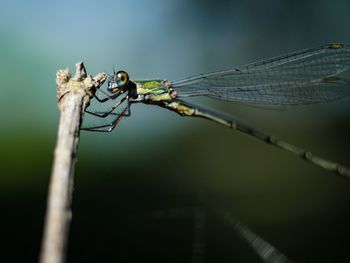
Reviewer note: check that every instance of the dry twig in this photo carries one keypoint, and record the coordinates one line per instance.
(73, 97)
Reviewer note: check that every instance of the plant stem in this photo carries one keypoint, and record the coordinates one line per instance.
(73, 97)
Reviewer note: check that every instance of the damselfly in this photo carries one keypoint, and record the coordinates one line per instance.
(304, 77)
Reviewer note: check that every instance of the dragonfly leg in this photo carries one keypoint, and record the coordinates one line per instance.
(126, 112)
(108, 97)
(105, 114)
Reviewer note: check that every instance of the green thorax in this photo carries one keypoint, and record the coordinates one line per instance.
(154, 89)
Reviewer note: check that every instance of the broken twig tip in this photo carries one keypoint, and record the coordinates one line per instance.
(81, 82)
(80, 71)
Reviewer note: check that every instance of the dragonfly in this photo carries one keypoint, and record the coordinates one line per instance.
(304, 77)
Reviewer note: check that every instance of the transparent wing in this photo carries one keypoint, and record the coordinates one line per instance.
(286, 93)
(302, 77)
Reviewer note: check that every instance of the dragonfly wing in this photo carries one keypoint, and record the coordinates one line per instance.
(282, 80)
(286, 93)
(322, 61)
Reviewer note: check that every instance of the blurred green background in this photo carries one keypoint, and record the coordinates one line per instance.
(156, 161)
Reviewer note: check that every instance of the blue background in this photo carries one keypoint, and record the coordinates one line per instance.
(156, 160)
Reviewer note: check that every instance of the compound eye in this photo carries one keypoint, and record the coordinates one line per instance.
(122, 78)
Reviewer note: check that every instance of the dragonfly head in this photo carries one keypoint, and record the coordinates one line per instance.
(118, 81)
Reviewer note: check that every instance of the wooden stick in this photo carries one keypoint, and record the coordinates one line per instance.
(73, 97)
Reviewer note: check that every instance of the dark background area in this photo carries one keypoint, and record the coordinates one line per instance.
(137, 189)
